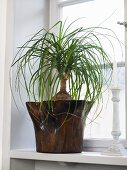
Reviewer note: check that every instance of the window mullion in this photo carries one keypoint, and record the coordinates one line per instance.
(125, 17)
(71, 2)
(99, 144)
(54, 14)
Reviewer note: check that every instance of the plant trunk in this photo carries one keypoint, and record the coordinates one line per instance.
(62, 94)
(63, 84)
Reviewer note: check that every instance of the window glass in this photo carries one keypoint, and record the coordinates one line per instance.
(103, 13)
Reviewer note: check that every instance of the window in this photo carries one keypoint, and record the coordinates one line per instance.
(104, 13)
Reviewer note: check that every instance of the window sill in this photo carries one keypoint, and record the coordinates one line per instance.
(84, 157)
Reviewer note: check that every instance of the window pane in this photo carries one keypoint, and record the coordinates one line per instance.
(101, 127)
(104, 13)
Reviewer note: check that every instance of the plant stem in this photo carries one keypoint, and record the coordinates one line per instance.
(63, 83)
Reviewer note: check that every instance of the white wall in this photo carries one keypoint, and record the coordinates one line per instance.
(18, 164)
(22, 164)
(44, 165)
(2, 61)
(7, 93)
(29, 17)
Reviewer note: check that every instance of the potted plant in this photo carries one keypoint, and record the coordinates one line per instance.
(63, 67)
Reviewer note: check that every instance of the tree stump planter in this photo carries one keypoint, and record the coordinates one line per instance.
(59, 128)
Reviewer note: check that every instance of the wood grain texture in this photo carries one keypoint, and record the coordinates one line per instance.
(58, 126)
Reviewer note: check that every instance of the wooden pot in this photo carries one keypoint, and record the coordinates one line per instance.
(58, 125)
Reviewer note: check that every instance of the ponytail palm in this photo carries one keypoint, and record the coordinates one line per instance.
(66, 65)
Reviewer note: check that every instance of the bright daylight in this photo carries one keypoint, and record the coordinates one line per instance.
(63, 84)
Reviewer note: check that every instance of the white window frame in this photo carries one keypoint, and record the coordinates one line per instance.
(55, 15)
